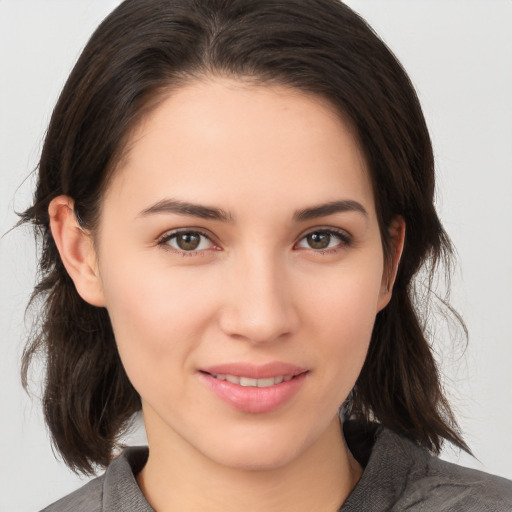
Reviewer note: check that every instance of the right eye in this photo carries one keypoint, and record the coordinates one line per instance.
(187, 241)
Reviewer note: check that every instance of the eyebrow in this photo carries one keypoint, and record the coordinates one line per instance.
(190, 209)
(213, 213)
(330, 208)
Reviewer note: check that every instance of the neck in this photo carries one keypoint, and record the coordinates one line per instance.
(176, 477)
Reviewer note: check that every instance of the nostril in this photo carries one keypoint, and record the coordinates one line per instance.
(258, 327)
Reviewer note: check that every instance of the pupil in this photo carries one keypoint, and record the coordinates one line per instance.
(319, 240)
(188, 241)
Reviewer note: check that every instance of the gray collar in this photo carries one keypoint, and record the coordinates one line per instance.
(371, 448)
(399, 475)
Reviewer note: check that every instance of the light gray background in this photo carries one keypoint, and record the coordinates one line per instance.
(459, 55)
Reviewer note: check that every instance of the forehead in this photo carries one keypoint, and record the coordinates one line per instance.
(218, 139)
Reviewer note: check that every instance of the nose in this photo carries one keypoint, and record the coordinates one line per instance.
(260, 302)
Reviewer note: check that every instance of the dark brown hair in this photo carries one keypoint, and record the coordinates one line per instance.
(143, 50)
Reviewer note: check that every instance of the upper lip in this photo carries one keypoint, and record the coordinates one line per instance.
(255, 371)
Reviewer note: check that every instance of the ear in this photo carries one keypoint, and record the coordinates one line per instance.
(396, 232)
(76, 249)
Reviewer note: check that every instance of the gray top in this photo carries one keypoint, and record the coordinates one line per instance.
(398, 476)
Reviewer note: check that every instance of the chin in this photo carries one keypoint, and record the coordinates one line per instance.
(259, 453)
(256, 462)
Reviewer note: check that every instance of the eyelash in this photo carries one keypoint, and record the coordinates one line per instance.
(345, 240)
(167, 237)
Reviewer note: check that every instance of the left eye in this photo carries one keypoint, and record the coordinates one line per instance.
(320, 240)
(188, 241)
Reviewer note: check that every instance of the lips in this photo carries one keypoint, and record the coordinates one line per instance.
(255, 371)
(254, 388)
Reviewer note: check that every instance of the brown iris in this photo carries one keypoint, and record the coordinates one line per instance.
(318, 240)
(188, 241)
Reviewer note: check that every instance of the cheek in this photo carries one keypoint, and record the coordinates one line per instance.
(347, 301)
(341, 318)
(156, 316)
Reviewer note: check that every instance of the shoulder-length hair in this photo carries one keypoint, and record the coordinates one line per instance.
(141, 52)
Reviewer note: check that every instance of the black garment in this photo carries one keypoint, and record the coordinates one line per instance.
(398, 476)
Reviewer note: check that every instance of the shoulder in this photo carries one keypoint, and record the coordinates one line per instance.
(402, 476)
(86, 499)
(443, 486)
(115, 490)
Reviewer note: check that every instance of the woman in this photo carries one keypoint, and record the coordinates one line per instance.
(234, 199)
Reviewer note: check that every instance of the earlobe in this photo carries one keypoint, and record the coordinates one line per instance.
(76, 250)
(396, 231)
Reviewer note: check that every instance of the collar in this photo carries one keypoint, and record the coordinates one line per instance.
(387, 459)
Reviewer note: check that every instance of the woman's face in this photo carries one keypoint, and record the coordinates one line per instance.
(241, 264)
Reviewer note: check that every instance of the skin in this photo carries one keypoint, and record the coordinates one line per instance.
(255, 290)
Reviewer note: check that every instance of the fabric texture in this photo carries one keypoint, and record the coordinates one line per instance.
(398, 476)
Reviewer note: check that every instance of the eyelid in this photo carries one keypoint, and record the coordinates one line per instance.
(345, 237)
(168, 235)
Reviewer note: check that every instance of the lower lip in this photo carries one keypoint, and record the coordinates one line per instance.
(253, 399)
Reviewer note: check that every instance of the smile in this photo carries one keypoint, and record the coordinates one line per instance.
(255, 383)
(255, 388)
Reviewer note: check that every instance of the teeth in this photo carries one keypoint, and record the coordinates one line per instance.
(265, 383)
(249, 382)
(246, 381)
